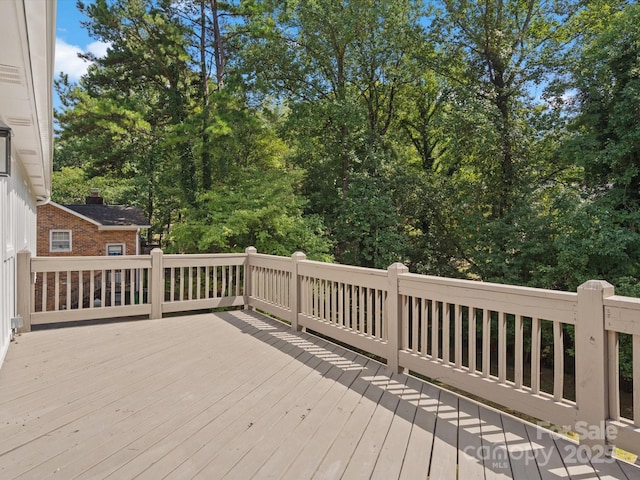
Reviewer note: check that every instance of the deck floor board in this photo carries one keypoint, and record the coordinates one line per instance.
(239, 395)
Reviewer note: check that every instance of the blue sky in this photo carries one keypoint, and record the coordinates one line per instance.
(71, 39)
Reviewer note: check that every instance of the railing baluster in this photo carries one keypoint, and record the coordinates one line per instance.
(473, 338)
(435, 329)
(535, 355)
(80, 290)
(380, 310)
(446, 327)
(207, 282)
(181, 270)
(237, 269)
(92, 289)
(326, 309)
(486, 343)
(123, 279)
(458, 335)
(636, 380)
(199, 283)
(558, 361)
(215, 282)
(424, 313)
(334, 302)
(519, 352)
(308, 297)
(141, 273)
(502, 347)
(415, 324)
(341, 304)
(68, 295)
(353, 298)
(45, 293)
(361, 305)
(613, 342)
(224, 281)
(103, 289)
(266, 285)
(57, 292)
(190, 283)
(172, 284)
(113, 288)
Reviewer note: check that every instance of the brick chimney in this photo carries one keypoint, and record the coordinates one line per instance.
(95, 198)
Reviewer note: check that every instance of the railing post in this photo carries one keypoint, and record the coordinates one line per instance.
(294, 289)
(592, 396)
(24, 280)
(246, 291)
(394, 317)
(157, 283)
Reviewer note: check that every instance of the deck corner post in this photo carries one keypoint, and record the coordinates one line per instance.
(294, 289)
(248, 274)
(394, 317)
(157, 283)
(23, 292)
(592, 396)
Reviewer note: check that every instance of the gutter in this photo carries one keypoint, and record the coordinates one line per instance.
(42, 200)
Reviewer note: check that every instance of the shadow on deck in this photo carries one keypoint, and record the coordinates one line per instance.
(239, 395)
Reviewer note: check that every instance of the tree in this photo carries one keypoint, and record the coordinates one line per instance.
(259, 209)
(501, 51)
(147, 58)
(339, 68)
(601, 238)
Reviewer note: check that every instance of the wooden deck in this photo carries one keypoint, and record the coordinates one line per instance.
(237, 395)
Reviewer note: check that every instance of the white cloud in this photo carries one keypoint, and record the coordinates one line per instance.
(67, 59)
(99, 49)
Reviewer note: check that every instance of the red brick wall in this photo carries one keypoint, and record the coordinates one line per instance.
(86, 239)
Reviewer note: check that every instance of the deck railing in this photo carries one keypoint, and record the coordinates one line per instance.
(486, 339)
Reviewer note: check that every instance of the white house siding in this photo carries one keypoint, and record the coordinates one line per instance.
(27, 55)
(17, 232)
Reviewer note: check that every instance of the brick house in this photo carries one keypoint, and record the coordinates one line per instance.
(91, 229)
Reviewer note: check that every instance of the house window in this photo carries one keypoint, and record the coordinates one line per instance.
(115, 249)
(60, 240)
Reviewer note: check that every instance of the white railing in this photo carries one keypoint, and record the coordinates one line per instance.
(486, 339)
(67, 289)
(81, 288)
(458, 332)
(198, 282)
(622, 319)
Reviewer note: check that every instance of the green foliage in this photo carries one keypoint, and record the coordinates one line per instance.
(260, 208)
(71, 185)
(373, 132)
(369, 226)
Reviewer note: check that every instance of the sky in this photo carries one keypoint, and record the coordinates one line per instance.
(71, 39)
